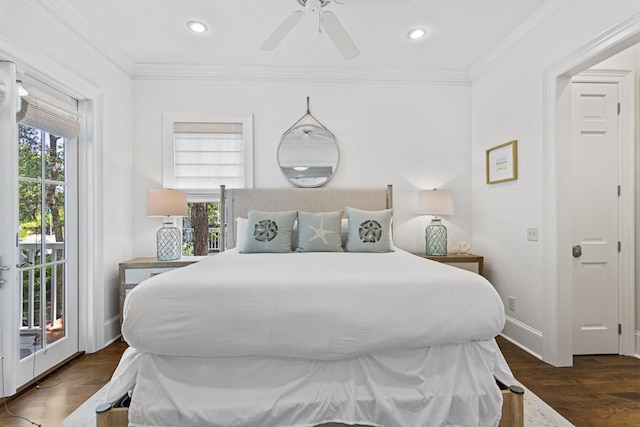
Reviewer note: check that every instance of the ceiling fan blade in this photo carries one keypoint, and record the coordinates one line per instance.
(282, 31)
(339, 35)
(358, 2)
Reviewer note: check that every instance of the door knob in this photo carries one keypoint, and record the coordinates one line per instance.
(576, 251)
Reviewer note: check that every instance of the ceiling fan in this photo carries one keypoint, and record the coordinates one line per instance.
(327, 21)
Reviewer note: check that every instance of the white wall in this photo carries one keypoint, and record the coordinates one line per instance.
(508, 102)
(414, 136)
(41, 46)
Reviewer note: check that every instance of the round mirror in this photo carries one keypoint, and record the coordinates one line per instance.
(308, 155)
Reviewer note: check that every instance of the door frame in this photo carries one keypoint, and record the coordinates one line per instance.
(557, 337)
(91, 310)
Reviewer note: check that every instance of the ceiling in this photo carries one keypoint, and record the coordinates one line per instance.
(155, 32)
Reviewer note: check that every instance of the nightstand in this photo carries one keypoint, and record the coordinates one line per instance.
(469, 262)
(136, 270)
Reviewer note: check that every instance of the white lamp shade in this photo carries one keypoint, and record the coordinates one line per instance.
(167, 203)
(435, 202)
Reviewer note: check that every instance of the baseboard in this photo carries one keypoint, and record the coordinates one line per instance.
(111, 330)
(523, 336)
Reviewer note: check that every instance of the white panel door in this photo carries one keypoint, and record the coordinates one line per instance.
(595, 218)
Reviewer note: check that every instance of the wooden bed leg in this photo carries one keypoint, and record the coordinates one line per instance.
(108, 416)
(512, 407)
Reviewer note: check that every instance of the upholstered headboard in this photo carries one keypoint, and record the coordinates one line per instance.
(236, 203)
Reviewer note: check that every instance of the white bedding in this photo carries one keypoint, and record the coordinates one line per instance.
(444, 385)
(300, 339)
(316, 305)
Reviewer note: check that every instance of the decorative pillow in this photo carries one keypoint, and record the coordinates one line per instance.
(241, 232)
(369, 231)
(319, 232)
(269, 231)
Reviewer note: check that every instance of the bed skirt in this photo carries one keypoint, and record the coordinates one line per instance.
(512, 412)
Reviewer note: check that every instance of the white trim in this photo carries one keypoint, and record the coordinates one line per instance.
(9, 295)
(33, 62)
(359, 76)
(112, 327)
(527, 30)
(91, 309)
(524, 336)
(82, 30)
(557, 346)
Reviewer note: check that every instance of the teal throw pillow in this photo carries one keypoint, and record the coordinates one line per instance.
(319, 232)
(369, 231)
(269, 231)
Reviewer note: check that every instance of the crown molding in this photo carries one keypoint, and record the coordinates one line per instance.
(536, 23)
(411, 77)
(76, 25)
(29, 60)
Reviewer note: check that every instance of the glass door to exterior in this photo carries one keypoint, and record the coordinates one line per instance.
(41, 285)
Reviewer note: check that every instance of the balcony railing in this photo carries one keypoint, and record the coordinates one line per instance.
(31, 260)
(214, 238)
(40, 274)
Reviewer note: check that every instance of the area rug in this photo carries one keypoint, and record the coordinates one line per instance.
(536, 412)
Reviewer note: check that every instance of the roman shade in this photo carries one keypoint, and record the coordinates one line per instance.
(42, 111)
(207, 155)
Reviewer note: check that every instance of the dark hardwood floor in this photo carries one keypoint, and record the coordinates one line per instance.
(62, 392)
(598, 391)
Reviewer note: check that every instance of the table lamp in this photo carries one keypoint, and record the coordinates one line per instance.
(435, 202)
(168, 204)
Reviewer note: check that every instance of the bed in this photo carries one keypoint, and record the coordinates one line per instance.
(367, 337)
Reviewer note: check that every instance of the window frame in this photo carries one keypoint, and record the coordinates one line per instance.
(168, 176)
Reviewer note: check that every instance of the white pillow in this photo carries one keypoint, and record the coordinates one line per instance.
(241, 232)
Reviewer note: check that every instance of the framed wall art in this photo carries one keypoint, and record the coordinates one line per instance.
(502, 162)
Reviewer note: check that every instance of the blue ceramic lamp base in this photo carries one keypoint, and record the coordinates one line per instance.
(436, 238)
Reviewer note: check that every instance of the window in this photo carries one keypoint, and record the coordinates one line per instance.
(200, 153)
(48, 122)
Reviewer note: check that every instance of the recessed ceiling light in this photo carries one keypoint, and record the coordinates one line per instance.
(417, 33)
(197, 26)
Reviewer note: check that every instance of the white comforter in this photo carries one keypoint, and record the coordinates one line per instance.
(293, 340)
(320, 306)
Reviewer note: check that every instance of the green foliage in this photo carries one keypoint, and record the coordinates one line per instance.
(30, 187)
(213, 214)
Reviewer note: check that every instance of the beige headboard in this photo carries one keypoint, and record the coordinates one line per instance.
(236, 203)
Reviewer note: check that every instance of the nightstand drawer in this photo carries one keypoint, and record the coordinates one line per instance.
(133, 276)
(469, 266)
(470, 262)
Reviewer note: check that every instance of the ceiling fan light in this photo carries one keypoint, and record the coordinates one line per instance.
(417, 33)
(197, 26)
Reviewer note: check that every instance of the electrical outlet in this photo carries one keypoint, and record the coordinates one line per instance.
(512, 304)
(532, 234)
